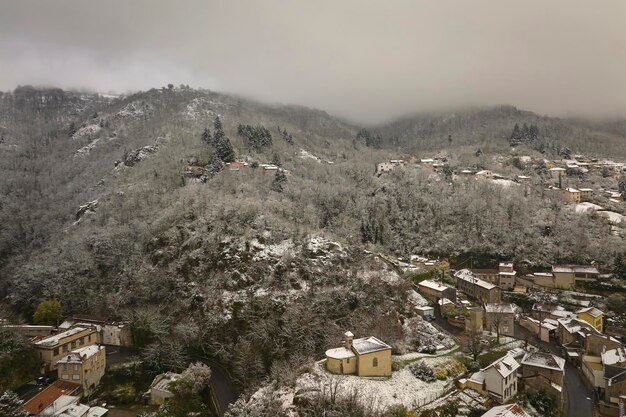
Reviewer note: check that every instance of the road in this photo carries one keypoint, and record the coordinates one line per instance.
(223, 387)
(579, 399)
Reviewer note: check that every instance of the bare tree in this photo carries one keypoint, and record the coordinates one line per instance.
(475, 345)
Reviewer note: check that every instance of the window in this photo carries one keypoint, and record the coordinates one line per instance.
(65, 367)
(348, 360)
(55, 352)
(73, 344)
(375, 362)
(89, 338)
(76, 367)
(65, 376)
(64, 348)
(76, 377)
(81, 341)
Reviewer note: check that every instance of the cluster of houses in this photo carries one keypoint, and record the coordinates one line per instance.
(600, 357)
(74, 353)
(581, 164)
(196, 173)
(564, 277)
(485, 284)
(436, 163)
(501, 379)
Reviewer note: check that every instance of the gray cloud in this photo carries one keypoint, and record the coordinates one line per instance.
(361, 59)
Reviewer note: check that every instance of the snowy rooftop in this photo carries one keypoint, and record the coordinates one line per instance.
(97, 412)
(499, 308)
(613, 356)
(74, 410)
(369, 344)
(574, 325)
(592, 311)
(444, 301)
(561, 313)
(54, 339)
(340, 353)
(466, 275)
(165, 380)
(478, 377)
(433, 285)
(508, 410)
(505, 365)
(506, 264)
(575, 268)
(78, 355)
(544, 360)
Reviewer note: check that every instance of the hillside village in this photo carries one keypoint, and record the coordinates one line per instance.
(496, 339)
(568, 181)
(225, 257)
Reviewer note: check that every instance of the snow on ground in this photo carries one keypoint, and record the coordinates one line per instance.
(587, 207)
(277, 250)
(307, 155)
(135, 109)
(87, 148)
(197, 108)
(427, 334)
(380, 272)
(612, 217)
(416, 299)
(504, 183)
(403, 388)
(86, 131)
(467, 400)
(430, 359)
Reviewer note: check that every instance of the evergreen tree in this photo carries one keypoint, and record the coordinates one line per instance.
(206, 136)
(217, 125)
(216, 166)
(257, 137)
(276, 159)
(525, 132)
(72, 129)
(224, 150)
(619, 267)
(516, 136)
(280, 179)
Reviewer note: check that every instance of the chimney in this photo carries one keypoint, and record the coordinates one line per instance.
(348, 340)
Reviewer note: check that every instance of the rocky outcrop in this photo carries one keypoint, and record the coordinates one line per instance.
(136, 156)
(90, 207)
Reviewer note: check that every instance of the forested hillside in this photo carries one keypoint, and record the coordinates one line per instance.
(233, 264)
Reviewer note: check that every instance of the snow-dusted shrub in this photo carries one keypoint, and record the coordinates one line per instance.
(422, 371)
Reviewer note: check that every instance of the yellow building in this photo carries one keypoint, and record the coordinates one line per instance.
(52, 348)
(367, 356)
(592, 316)
(84, 366)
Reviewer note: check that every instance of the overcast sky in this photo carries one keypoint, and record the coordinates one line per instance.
(360, 59)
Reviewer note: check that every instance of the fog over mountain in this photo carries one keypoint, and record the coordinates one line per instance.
(364, 60)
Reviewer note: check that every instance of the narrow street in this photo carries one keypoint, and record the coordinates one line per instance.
(578, 398)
